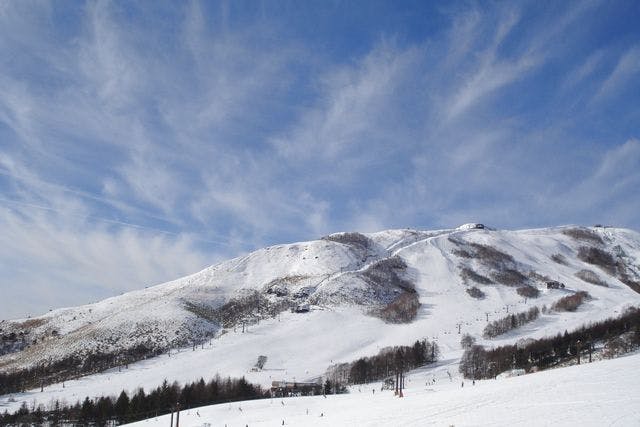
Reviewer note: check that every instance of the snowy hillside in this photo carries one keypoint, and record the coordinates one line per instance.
(359, 289)
(596, 394)
(332, 271)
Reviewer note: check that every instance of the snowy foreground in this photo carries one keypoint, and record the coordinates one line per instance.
(596, 394)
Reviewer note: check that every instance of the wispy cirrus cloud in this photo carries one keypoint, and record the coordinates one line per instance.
(627, 67)
(50, 258)
(161, 139)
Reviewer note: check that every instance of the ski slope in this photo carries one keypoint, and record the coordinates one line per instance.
(596, 394)
(339, 328)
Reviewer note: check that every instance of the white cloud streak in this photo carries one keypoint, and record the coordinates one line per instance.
(49, 260)
(140, 147)
(628, 67)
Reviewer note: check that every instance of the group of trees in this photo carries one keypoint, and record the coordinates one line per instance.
(475, 292)
(469, 274)
(478, 362)
(590, 277)
(570, 302)
(613, 265)
(244, 309)
(488, 256)
(12, 342)
(528, 291)
(354, 239)
(583, 234)
(386, 278)
(596, 256)
(507, 323)
(403, 309)
(501, 326)
(140, 405)
(392, 360)
(71, 367)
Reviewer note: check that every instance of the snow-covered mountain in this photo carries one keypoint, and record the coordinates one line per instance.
(364, 292)
(340, 269)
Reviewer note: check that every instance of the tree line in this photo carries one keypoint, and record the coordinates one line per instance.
(138, 406)
(72, 367)
(392, 360)
(505, 324)
(478, 362)
(513, 321)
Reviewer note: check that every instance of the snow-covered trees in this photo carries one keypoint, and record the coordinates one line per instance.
(615, 265)
(386, 276)
(590, 277)
(353, 239)
(500, 326)
(583, 234)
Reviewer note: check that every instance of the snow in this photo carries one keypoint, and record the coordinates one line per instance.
(304, 345)
(470, 226)
(595, 394)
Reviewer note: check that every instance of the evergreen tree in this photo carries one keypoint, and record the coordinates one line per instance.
(327, 386)
(87, 411)
(121, 407)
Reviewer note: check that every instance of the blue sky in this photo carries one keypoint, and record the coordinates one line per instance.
(141, 141)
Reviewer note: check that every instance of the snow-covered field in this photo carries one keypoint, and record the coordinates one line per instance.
(302, 346)
(605, 393)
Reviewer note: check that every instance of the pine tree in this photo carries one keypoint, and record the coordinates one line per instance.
(87, 411)
(122, 406)
(327, 386)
